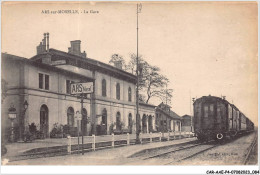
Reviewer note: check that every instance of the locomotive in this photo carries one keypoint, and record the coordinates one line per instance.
(216, 118)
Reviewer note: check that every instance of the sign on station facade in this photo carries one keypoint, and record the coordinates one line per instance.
(81, 88)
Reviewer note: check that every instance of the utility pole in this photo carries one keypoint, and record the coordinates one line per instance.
(82, 121)
(190, 115)
(138, 10)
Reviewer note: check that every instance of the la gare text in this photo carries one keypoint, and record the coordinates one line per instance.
(69, 11)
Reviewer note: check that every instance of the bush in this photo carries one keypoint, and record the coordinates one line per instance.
(57, 131)
(33, 133)
(32, 128)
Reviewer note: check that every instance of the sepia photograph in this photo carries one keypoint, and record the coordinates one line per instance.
(130, 83)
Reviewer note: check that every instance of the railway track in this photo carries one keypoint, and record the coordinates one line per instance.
(192, 153)
(172, 151)
(162, 154)
(178, 154)
(253, 144)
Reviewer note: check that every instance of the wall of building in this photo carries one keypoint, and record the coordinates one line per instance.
(23, 77)
(171, 124)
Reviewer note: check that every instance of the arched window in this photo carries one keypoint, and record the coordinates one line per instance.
(129, 94)
(118, 121)
(130, 123)
(70, 116)
(44, 120)
(150, 123)
(118, 91)
(104, 88)
(144, 123)
(104, 117)
(84, 115)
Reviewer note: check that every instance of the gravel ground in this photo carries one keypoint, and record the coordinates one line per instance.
(252, 160)
(232, 153)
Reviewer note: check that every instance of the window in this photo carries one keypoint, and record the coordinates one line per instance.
(44, 81)
(70, 116)
(104, 88)
(129, 94)
(118, 121)
(68, 82)
(206, 111)
(47, 82)
(104, 117)
(40, 81)
(118, 91)
(219, 112)
(211, 110)
(130, 123)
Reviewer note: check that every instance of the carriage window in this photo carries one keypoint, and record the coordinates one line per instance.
(206, 111)
(219, 111)
(211, 110)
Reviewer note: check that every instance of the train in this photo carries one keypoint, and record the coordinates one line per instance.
(216, 118)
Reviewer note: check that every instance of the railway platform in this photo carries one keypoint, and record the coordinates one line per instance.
(94, 157)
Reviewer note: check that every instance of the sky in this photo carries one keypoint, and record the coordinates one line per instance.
(202, 47)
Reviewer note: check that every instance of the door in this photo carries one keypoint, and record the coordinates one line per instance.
(104, 122)
(144, 123)
(208, 118)
(150, 123)
(130, 123)
(44, 120)
(118, 121)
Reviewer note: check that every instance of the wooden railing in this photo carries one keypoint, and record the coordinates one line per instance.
(112, 140)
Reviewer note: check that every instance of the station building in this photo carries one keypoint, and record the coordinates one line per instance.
(166, 119)
(187, 123)
(43, 81)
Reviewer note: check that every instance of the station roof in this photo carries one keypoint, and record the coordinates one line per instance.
(170, 114)
(87, 63)
(6, 56)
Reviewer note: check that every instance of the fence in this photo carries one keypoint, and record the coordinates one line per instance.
(105, 141)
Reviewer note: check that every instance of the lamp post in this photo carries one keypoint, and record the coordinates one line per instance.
(12, 115)
(25, 107)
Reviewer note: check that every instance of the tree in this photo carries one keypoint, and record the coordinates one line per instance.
(131, 66)
(117, 59)
(166, 98)
(154, 83)
(151, 82)
(4, 89)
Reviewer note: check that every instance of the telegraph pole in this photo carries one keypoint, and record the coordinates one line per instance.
(82, 122)
(190, 115)
(138, 10)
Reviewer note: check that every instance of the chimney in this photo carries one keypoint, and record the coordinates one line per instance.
(48, 42)
(41, 48)
(44, 42)
(75, 49)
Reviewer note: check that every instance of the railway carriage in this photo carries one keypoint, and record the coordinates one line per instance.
(216, 118)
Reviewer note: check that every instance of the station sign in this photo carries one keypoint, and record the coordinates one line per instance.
(81, 88)
(58, 62)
